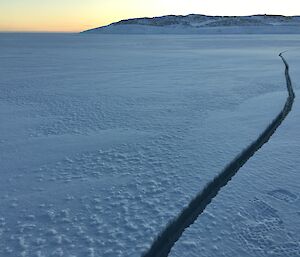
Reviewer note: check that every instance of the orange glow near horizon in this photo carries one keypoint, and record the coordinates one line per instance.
(78, 15)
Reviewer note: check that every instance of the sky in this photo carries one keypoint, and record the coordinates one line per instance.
(78, 15)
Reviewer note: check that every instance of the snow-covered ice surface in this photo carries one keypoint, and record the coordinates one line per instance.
(105, 138)
(258, 212)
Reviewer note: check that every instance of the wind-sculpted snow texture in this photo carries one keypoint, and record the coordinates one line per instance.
(165, 241)
(104, 139)
(257, 214)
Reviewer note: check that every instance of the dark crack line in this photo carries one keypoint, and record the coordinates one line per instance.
(163, 244)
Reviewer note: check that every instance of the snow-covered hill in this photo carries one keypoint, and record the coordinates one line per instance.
(196, 23)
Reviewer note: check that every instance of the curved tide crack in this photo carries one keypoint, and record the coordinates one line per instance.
(163, 244)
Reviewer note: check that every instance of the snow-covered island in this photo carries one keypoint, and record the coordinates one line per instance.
(203, 24)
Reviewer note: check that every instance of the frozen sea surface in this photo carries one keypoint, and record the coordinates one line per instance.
(105, 138)
(258, 212)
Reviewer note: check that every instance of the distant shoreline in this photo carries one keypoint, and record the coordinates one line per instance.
(202, 24)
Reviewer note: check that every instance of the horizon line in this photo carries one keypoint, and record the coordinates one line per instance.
(141, 17)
